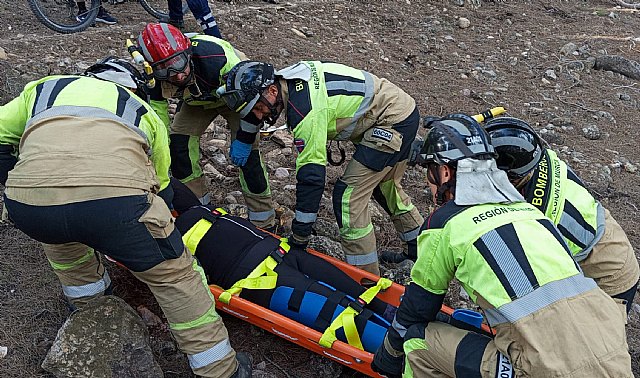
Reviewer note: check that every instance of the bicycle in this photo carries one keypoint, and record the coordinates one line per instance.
(63, 16)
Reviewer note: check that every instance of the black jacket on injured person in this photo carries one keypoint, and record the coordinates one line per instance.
(309, 289)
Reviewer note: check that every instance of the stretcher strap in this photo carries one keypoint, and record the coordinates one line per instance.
(262, 277)
(346, 319)
(192, 238)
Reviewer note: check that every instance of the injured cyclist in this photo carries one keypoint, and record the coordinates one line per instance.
(308, 289)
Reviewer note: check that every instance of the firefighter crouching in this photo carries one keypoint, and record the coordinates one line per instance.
(596, 240)
(549, 319)
(91, 174)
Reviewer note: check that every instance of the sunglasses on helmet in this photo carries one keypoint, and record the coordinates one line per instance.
(173, 65)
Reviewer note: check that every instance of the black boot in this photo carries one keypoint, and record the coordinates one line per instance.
(393, 257)
(244, 366)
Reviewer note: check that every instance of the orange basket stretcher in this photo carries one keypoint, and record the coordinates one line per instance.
(307, 337)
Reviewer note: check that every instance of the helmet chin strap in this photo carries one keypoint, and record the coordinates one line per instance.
(273, 108)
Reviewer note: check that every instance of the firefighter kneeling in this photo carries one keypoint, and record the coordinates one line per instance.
(549, 319)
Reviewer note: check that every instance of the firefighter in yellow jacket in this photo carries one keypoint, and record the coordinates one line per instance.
(87, 162)
(596, 240)
(549, 319)
(325, 102)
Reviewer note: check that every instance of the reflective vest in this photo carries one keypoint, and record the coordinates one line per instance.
(505, 252)
(558, 192)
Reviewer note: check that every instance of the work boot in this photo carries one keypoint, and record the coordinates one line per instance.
(244, 366)
(393, 257)
(104, 17)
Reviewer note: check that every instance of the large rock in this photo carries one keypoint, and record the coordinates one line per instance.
(105, 338)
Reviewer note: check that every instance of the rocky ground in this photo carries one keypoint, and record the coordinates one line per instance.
(535, 58)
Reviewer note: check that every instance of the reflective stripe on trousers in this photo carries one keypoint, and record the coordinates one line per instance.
(88, 290)
(211, 355)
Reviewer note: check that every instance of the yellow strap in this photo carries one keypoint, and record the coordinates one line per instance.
(221, 211)
(346, 319)
(195, 234)
(262, 277)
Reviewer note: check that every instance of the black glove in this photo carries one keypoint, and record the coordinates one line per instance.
(385, 364)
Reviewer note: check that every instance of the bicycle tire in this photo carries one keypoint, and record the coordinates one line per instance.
(46, 10)
(161, 12)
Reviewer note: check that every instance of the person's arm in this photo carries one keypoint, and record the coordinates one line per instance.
(158, 138)
(159, 104)
(423, 298)
(310, 135)
(13, 119)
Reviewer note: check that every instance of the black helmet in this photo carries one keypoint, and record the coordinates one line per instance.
(518, 146)
(455, 137)
(244, 85)
(121, 72)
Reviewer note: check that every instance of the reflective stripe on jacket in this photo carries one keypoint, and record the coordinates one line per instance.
(558, 192)
(61, 121)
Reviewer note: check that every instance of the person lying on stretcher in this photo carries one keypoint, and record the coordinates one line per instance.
(308, 289)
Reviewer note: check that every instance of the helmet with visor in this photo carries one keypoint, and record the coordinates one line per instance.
(166, 49)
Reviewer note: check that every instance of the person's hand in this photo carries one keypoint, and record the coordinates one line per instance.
(385, 364)
(239, 152)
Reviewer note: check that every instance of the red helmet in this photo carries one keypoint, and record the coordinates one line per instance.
(160, 42)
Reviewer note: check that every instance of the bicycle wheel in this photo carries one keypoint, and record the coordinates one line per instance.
(159, 8)
(63, 16)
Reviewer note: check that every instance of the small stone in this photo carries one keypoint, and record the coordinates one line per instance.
(219, 159)
(3, 351)
(463, 23)
(591, 132)
(281, 173)
(263, 18)
(289, 187)
(230, 200)
(3, 54)
(561, 121)
(624, 97)
(463, 294)
(550, 74)
(568, 49)
(606, 115)
(298, 33)
(635, 307)
(630, 168)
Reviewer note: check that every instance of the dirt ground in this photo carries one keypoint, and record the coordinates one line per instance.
(535, 58)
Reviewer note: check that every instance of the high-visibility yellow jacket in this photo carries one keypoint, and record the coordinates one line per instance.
(82, 132)
(560, 194)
